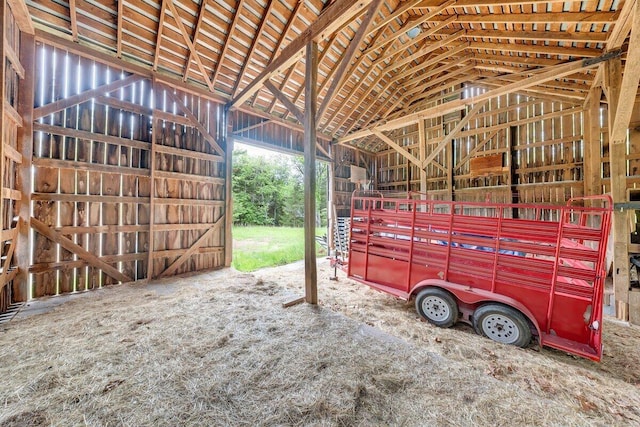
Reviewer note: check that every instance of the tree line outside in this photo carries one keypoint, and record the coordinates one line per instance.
(269, 191)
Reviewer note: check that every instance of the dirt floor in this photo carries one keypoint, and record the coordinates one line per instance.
(219, 349)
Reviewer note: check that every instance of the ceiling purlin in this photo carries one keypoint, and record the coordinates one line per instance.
(227, 40)
(196, 33)
(254, 44)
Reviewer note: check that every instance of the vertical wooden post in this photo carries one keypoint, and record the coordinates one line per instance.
(228, 206)
(3, 99)
(422, 143)
(331, 202)
(618, 167)
(310, 95)
(155, 133)
(592, 145)
(26, 91)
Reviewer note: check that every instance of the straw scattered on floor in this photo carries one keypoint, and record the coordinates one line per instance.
(219, 349)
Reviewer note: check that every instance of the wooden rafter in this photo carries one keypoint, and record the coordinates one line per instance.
(73, 16)
(119, 30)
(411, 23)
(276, 52)
(196, 33)
(227, 40)
(285, 101)
(549, 73)
(334, 16)
(22, 16)
(345, 61)
(254, 44)
(324, 53)
(163, 10)
(190, 45)
(629, 84)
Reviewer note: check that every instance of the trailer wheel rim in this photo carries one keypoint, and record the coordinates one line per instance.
(436, 308)
(500, 328)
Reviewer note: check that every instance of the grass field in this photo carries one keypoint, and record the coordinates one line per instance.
(258, 247)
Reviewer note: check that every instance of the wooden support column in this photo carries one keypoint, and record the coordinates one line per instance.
(152, 185)
(618, 166)
(592, 144)
(331, 202)
(310, 96)
(25, 147)
(228, 207)
(422, 142)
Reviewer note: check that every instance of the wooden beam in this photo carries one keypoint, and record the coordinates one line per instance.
(276, 52)
(335, 15)
(400, 149)
(228, 192)
(185, 256)
(629, 85)
(549, 73)
(442, 143)
(397, 13)
(196, 123)
(618, 167)
(161, 19)
(22, 16)
(73, 15)
(592, 150)
(622, 27)
(227, 40)
(119, 31)
(285, 101)
(70, 101)
(196, 33)
(310, 100)
(254, 43)
(345, 62)
(190, 45)
(412, 22)
(67, 244)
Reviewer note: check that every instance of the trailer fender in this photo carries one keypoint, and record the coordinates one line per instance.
(475, 296)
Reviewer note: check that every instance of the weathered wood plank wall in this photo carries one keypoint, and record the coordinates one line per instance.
(10, 158)
(538, 145)
(129, 177)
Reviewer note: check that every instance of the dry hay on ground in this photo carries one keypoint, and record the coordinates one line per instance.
(219, 349)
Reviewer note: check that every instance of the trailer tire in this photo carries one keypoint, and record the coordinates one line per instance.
(437, 306)
(502, 324)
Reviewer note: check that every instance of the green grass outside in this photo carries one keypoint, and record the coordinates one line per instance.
(256, 247)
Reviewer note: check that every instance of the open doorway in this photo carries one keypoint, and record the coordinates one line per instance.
(268, 207)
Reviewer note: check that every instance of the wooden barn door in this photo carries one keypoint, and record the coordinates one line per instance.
(13, 17)
(188, 184)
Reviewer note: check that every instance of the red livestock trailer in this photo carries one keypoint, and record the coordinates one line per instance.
(513, 271)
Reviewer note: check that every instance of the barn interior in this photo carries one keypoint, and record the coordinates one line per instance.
(119, 119)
